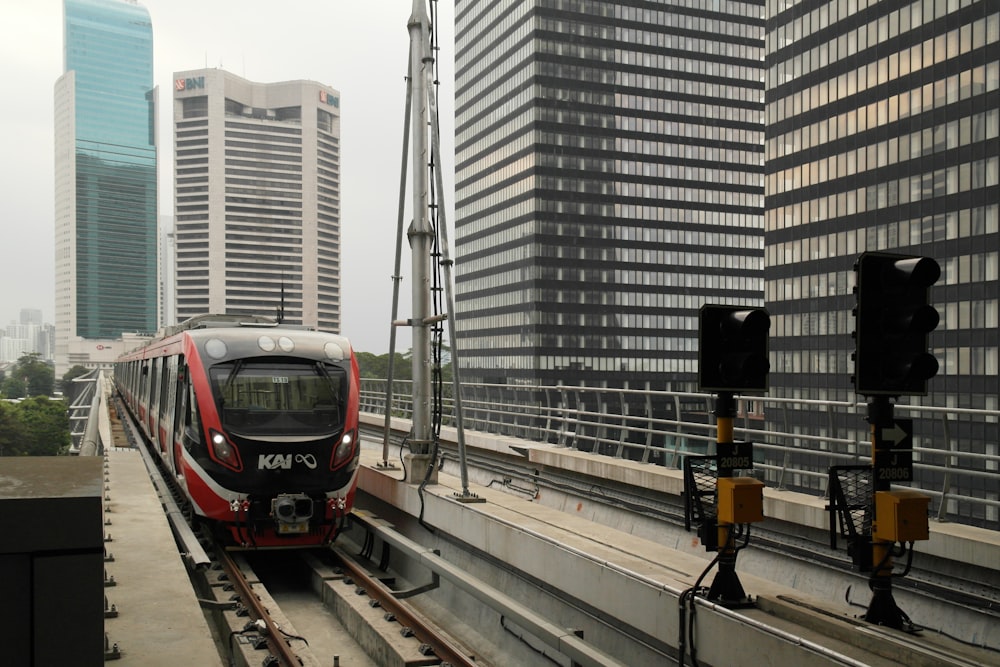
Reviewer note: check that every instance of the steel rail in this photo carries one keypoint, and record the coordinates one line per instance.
(406, 615)
(278, 645)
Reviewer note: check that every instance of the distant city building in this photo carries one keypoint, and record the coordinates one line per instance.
(31, 316)
(883, 133)
(29, 336)
(105, 190)
(13, 348)
(168, 269)
(609, 181)
(257, 183)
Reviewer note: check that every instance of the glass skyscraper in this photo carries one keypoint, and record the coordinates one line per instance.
(883, 133)
(609, 181)
(106, 200)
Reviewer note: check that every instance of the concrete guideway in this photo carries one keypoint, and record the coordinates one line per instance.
(967, 552)
(159, 621)
(951, 541)
(627, 582)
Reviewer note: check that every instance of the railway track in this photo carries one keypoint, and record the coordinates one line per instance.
(433, 640)
(258, 599)
(262, 628)
(252, 625)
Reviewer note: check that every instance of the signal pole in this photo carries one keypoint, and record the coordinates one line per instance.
(732, 357)
(882, 609)
(726, 587)
(894, 318)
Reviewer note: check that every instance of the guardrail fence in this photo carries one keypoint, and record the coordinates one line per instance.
(955, 451)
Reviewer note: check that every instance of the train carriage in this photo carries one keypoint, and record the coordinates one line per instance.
(258, 422)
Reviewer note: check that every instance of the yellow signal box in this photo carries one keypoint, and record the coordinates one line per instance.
(741, 500)
(901, 516)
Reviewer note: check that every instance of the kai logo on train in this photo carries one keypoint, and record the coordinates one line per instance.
(189, 84)
(284, 461)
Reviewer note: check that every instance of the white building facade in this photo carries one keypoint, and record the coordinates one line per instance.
(29, 335)
(257, 198)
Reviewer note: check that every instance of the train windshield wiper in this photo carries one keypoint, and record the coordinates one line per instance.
(325, 373)
(237, 366)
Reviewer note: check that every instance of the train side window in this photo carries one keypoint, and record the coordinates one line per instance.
(165, 400)
(154, 387)
(180, 391)
(143, 379)
(191, 419)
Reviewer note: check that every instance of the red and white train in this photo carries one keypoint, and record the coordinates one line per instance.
(258, 422)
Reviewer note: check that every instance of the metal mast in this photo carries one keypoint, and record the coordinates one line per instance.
(420, 233)
(428, 239)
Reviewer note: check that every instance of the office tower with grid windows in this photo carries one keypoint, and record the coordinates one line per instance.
(105, 181)
(609, 181)
(257, 187)
(882, 134)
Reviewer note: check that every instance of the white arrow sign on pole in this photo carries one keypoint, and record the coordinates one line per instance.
(899, 433)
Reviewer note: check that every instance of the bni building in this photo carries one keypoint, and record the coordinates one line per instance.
(609, 181)
(883, 133)
(257, 198)
(105, 182)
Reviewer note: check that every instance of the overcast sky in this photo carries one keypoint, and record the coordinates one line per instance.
(359, 47)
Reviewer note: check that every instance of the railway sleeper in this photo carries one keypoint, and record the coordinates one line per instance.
(241, 637)
(376, 631)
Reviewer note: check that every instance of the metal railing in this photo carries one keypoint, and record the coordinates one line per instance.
(960, 472)
(85, 400)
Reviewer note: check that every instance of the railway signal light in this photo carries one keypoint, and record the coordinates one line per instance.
(893, 320)
(732, 349)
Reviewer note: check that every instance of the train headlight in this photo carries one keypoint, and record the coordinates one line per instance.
(344, 451)
(336, 351)
(216, 348)
(225, 452)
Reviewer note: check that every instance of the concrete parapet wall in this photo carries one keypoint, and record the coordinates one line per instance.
(51, 560)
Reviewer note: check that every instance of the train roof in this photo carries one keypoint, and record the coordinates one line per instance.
(223, 343)
(216, 320)
(222, 337)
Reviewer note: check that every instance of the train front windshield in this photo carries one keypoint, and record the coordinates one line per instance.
(280, 396)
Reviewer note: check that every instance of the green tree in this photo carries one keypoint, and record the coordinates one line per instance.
(46, 426)
(72, 374)
(370, 365)
(377, 366)
(14, 386)
(29, 377)
(12, 435)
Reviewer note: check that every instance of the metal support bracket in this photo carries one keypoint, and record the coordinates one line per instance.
(467, 497)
